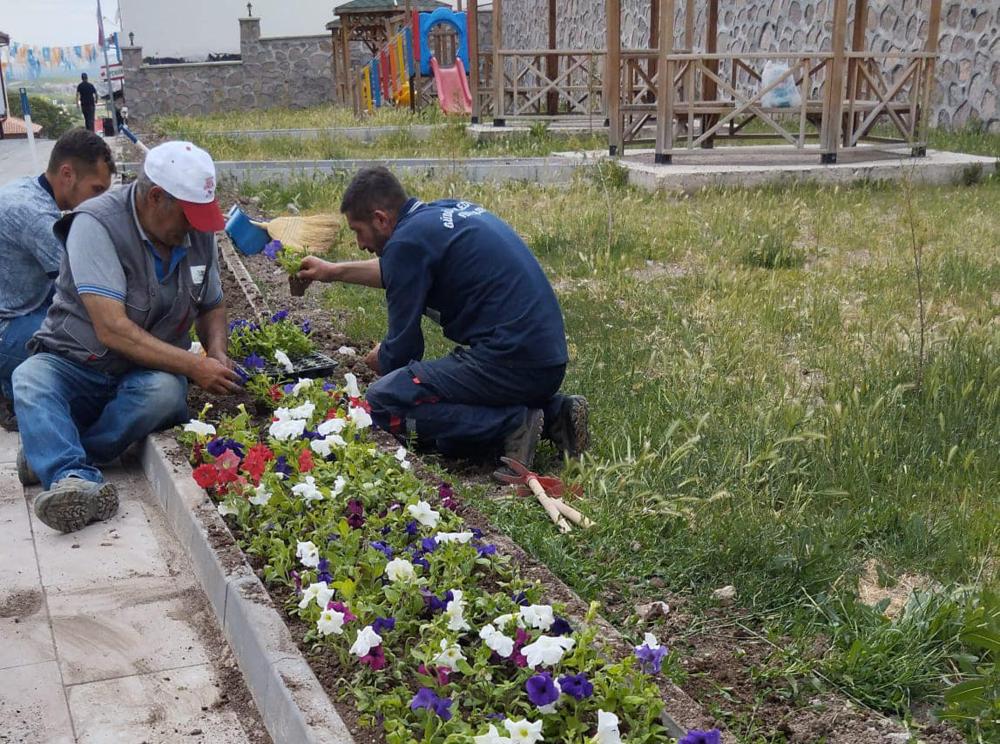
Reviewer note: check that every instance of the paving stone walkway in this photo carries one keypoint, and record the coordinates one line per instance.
(15, 160)
(104, 635)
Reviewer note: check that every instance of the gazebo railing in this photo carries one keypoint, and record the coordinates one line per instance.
(531, 78)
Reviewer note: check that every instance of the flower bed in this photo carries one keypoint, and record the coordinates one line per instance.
(444, 640)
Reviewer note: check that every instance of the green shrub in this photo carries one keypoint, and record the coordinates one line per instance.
(54, 119)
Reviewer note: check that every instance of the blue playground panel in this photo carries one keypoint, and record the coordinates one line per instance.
(450, 18)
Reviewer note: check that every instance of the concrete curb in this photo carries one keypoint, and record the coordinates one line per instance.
(360, 134)
(291, 701)
(548, 170)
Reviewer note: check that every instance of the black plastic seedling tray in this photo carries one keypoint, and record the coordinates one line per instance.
(313, 365)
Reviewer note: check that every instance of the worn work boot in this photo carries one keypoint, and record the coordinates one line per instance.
(73, 503)
(24, 472)
(520, 444)
(569, 431)
(8, 419)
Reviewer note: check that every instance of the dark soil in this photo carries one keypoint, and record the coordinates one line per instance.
(21, 604)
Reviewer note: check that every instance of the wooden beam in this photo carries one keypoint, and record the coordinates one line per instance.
(665, 85)
(345, 50)
(552, 61)
(689, 13)
(498, 117)
(473, 24)
(857, 45)
(835, 82)
(613, 77)
(709, 91)
(932, 44)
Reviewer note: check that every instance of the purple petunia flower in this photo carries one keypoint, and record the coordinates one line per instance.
(288, 388)
(496, 716)
(576, 685)
(244, 377)
(382, 547)
(485, 550)
(435, 604)
(306, 326)
(428, 545)
(279, 316)
(298, 581)
(521, 599)
(425, 698)
(694, 736)
(272, 249)
(310, 434)
(328, 386)
(281, 466)
(355, 514)
(476, 533)
(383, 624)
(422, 562)
(560, 627)
(412, 528)
(323, 571)
(254, 362)
(218, 446)
(238, 323)
(650, 659)
(542, 689)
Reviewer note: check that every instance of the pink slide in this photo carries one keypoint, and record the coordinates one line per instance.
(452, 87)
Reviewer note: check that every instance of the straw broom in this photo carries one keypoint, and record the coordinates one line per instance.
(314, 233)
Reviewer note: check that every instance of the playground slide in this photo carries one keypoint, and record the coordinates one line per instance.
(452, 87)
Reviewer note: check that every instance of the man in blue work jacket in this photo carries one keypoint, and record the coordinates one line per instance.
(469, 272)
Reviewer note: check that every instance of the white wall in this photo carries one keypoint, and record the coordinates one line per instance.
(193, 28)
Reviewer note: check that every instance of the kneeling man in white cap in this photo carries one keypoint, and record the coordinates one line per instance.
(110, 363)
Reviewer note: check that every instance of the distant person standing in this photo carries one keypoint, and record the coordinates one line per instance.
(86, 99)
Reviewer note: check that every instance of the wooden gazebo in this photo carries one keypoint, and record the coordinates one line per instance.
(705, 94)
(4, 42)
(370, 23)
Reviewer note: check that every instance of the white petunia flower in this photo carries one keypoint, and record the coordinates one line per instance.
(360, 417)
(303, 412)
(282, 358)
(491, 737)
(199, 427)
(352, 385)
(339, 485)
(539, 617)
(497, 641)
(400, 569)
(285, 429)
(226, 508)
(330, 621)
(301, 385)
(319, 592)
(547, 650)
(307, 553)
(401, 458)
(367, 640)
(455, 610)
(651, 641)
(523, 731)
(307, 489)
(323, 446)
(331, 426)
(260, 495)
(502, 621)
(422, 512)
(451, 654)
(607, 728)
(450, 537)
(347, 351)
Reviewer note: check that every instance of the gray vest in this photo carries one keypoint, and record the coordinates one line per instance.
(67, 329)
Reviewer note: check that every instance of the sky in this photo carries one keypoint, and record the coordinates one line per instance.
(55, 22)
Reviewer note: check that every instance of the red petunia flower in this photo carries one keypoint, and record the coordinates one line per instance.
(206, 475)
(305, 461)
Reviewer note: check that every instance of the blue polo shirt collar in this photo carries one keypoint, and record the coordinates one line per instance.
(177, 253)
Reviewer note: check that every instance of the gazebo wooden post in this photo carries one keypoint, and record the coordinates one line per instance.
(345, 50)
(833, 104)
(709, 88)
(931, 46)
(654, 43)
(473, 25)
(853, 74)
(665, 85)
(552, 63)
(689, 12)
(498, 117)
(613, 77)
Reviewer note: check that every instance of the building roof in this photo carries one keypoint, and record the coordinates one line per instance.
(15, 127)
(4, 38)
(386, 6)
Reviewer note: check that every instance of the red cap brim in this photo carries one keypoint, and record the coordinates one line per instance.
(204, 217)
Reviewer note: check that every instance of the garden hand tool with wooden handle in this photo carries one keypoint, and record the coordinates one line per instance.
(557, 509)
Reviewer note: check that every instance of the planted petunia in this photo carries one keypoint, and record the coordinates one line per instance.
(279, 316)
(607, 728)
(382, 547)
(206, 475)
(342, 609)
(324, 446)
(422, 512)
(374, 659)
(254, 362)
(307, 553)
(694, 736)
(330, 622)
(383, 624)
(200, 428)
(260, 495)
(650, 654)
(427, 699)
(455, 611)
(360, 417)
(318, 592)
(282, 468)
(491, 737)
(217, 447)
(561, 626)
(302, 384)
(366, 640)
(453, 537)
(539, 617)
(524, 731)
(400, 569)
(331, 426)
(285, 429)
(352, 386)
(547, 650)
(543, 692)
(576, 686)
(401, 458)
(306, 461)
(450, 656)
(271, 250)
(496, 641)
(307, 489)
(227, 508)
(282, 358)
(355, 514)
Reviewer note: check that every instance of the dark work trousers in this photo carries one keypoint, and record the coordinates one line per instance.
(460, 402)
(88, 118)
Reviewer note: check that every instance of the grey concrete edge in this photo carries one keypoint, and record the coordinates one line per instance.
(551, 170)
(291, 700)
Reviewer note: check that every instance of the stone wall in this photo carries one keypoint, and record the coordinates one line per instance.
(968, 72)
(291, 72)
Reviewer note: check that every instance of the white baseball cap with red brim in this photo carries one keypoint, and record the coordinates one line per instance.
(187, 173)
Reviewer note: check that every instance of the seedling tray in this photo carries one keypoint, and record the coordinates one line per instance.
(316, 364)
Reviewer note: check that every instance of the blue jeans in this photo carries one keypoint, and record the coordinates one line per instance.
(461, 401)
(14, 334)
(73, 418)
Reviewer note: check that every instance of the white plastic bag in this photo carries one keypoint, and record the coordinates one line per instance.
(784, 94)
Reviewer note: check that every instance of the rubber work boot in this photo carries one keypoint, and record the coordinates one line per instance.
(73, 503)
(520, 444)
(24, 472)
(569, 432)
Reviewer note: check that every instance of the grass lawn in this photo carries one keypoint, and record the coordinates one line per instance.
(762, 417)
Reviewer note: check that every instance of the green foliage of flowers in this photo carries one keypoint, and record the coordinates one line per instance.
(264, 339)
(403, 593)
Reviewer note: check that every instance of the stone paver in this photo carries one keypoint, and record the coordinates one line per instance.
(106, 637)
(15, 158)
